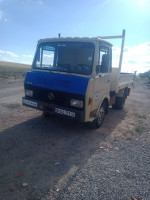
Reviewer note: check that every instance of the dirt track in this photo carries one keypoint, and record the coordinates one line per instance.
(48, 153)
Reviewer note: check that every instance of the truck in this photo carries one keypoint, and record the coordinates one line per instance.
(73, 77)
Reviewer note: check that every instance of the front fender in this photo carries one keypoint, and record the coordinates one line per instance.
(94, 113)
(106, 96)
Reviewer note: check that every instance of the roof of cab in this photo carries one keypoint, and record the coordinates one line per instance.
(74, 39)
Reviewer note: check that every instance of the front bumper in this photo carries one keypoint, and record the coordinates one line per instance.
(55, 109)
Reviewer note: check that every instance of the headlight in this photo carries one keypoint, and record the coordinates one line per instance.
(28, 93)
(76, 103)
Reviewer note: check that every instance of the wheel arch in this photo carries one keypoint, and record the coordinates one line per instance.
(96, 123)
(106, 100)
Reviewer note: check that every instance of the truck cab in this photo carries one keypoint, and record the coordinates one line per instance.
(72, 77)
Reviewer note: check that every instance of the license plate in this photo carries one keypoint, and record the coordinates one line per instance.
(30, 103)
(64, 112)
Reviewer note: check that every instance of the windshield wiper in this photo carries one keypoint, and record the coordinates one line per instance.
(68, 73)
(65, 68)
(57, 70)
(60, 65)
(52, 71)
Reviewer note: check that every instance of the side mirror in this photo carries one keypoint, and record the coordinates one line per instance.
(105, 63)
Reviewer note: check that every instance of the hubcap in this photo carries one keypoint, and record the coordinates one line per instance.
(100, 115)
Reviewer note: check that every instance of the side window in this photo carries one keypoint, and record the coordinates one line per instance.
(104, 60)
(38, 57)
(45, 56)
(48, 57)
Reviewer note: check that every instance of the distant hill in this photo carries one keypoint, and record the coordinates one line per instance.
(12, 64)
(10, 70)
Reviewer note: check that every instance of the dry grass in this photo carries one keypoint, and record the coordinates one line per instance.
(139, 129)
(10, 70)
(141, 116)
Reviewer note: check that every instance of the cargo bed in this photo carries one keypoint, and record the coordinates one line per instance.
(120, 80)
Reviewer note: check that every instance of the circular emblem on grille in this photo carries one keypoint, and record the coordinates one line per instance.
(51, 96)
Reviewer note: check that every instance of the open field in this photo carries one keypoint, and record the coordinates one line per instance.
(54, 158)
(10, 70)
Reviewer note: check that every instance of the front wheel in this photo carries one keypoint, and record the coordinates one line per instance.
(47, 114)
(100, 117)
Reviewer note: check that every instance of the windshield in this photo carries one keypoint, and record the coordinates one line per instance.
(71, 57)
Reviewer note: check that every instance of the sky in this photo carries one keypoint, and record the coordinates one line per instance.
(24, 22)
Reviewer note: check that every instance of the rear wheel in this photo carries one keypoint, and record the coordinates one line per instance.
(100, 117)
(119, 104)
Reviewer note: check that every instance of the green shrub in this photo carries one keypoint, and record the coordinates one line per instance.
(145, 75)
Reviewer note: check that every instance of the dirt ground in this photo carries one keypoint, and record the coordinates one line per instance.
(54, 158)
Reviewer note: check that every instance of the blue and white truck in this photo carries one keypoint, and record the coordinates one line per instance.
(74, 78)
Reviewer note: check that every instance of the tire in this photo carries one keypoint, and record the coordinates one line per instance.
(114, 106)
(120, 102)
(47, 114)
(100, 118)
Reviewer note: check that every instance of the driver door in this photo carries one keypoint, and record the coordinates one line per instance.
(103, 78)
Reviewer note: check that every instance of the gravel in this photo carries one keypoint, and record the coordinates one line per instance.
(62, 159)
(113, 174)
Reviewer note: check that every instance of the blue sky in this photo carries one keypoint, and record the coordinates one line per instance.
(24, 22)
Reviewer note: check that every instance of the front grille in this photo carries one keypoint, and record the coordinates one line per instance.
(48, 109)
(61, 98)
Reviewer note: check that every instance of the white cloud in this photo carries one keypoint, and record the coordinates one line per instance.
(13, 57)
(2, 17)
(27, 56)
(136, 58)
(24, 62)
(8, 53)
(48, 56)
